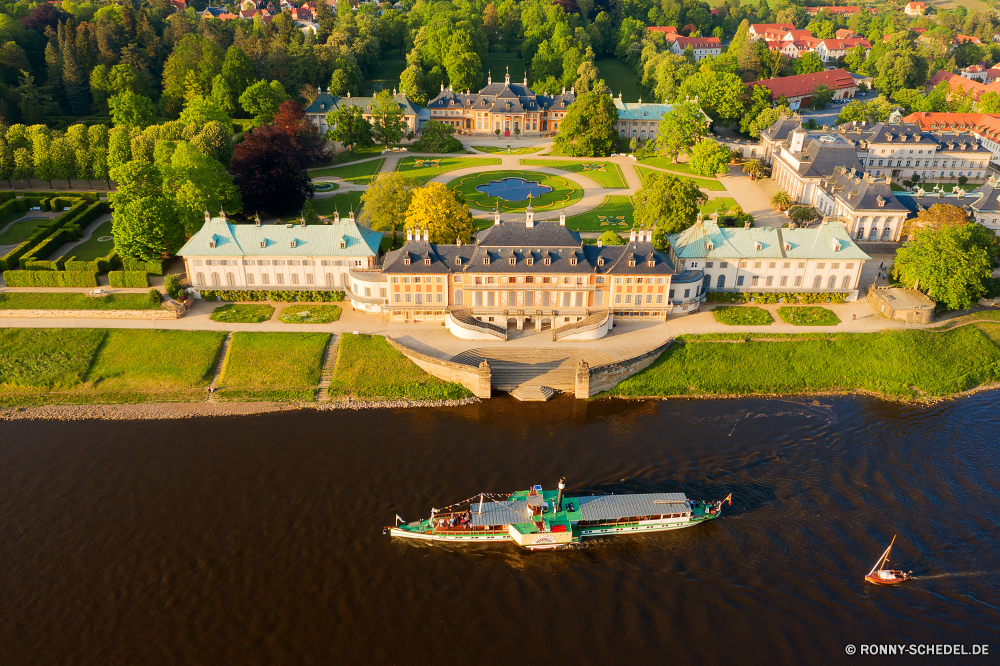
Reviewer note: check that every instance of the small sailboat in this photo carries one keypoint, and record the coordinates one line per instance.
(881, 576)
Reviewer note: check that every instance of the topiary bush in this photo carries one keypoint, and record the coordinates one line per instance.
(21, 278)
(128, 279)
(155, 296)
(252, 295)
(149, 267)
(172, 284)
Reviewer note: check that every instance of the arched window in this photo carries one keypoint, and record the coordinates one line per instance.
(633, 134)
(642, 135)
(886, 234)
(832, 282)
(861, 233)
(818, 282)
(622, 134)
(215, 279)
(331, 280)
(201, 278)
(459, 297)
(721, 284)
(847, 282)
(874, 234)
(230, 280)
(706, 283)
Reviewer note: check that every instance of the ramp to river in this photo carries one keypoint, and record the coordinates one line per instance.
(511, 368)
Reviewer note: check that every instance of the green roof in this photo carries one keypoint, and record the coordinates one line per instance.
(220, 238)
(707, 240)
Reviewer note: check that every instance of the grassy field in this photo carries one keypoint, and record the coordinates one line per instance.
(26, 300)
(369, 369)
(703, 183)
(345, 203)
(387, 75)
(742, 316)
(606, 174)
(616, 213)
(359, 173)
(360, 153)
(21, 230)
(808, 316)
(502, 150)
(425, 168)
(904, 364)
(620, 78)
(564, 191)
(93, 247)
(679, 167)
(273, 366)
(310, 313)
(325, 187)
(497, 63)
(242, 313)
(721, 205)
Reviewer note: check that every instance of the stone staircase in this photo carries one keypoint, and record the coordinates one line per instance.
(329, 364)
(467, 321)
(533, 393)
(532, 367)
(586, 324)
(218, 368)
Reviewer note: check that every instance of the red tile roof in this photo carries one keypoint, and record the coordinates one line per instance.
(665, 29)
(698, 42)
(984, 124)
(804, 84)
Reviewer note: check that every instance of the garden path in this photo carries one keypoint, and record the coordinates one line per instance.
(87, 233)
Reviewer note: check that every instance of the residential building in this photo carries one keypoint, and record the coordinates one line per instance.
(766, 259)
(974, 72)
(798, 90)
(863, 204)
(899, 150)
(701, 47)
(669, 31)
(794, 48)
(223, 255)
(325, 103)
(846, 33)
(984, 206)
(914, 8)
(984, 126)
(962, 39)
(775, 135)
(501, 106)
(961, 86)
(802, 161)
(770, 31)
(829, 50)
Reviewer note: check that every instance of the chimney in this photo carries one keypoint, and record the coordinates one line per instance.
(559, 496)
(302, 221)
(458, 242)
(600, 243)
(529, 217)
(409, 234)
(208, 216)
(798, 138)
(256, 220)
(351, 215)
(222, 215)
(562, 218)
(336, 217)
(427, 235)
(631, 235)
(746, 225)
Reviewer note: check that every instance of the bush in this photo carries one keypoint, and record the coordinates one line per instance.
(251, 295)
(148, 267)
(100, 265)
(808, 316)
(155, 296)
(234, 313)
(774, 297)
(50, 278)
(436, 137)
(743, 316)
(172, 284)
(128, 279)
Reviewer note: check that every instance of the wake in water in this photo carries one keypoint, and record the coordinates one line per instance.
(958, 574)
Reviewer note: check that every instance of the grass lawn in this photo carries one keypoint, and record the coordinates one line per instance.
(360, 153)
(359, 173)
(620, 77)
(273, 366)
(37, 359)
(242, 313)
(799, 315)
(310, 313)
(387, 74)
(325, 187)
(94, 248)
(607, 174)
(721, 205)
(742, 316)
(21, 230)
(425, 168)
(703, 183)
(502, 150)
(564, 191)
(937, 364)
(369, 369)
(947, 187)
(26, 300)
(345, 203)
(616, 214)
(665, 163)
(497, 63)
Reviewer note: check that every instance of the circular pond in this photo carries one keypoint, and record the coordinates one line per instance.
(513, 189)
(509, 190)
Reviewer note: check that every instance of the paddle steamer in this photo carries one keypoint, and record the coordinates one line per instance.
(539, 519)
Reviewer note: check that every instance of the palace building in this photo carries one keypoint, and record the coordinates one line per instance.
(324, 103)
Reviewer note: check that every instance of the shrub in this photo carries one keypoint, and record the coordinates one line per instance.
(743, 316)
(100, 265)
(235, 313)
(50, 278)
(808, 316)
(774, 297)
(155, 296)
(149, 267)
(128, 279)
(251, 295)
(172, 284)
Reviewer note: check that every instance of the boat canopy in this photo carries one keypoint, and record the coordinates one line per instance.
(500, 513)
(612, 507)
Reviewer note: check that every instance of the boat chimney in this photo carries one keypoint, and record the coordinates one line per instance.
(562, 487)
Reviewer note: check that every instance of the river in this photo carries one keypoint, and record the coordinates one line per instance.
(258, 540)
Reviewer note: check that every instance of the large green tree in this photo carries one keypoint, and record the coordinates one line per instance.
(680, 129)
(147, 228)
(386, 202)
(721, 95)
(348, 127)
(388, 123)
(709, 157)
(588, 129)
(194, 183)
(131, 110)
(262, 100)
(667, 202)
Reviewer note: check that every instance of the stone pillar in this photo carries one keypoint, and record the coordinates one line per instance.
(582, 391)
(520, 323)
(485, 388)
(538, 323)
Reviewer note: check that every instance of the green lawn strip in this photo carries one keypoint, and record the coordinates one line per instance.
(360, 173)
(616, 214)
(369, 369)
(937, 364)
(607, 174)
(273, 366)
(310, 313)
(21, 230)
(703, 183)
(742, 316)
(27, 300)
(982, 315)
(346, 157)
(93, 247)
(36, 360)
(679, 167)
(345, 203)
(801, 315)
(502, 150)
(621, 77)
(564, 191)
(721, 205)
(240, 313)
(425, 168)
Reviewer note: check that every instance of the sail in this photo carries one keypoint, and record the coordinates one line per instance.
(885, 556)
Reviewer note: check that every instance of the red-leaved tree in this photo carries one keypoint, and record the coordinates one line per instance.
(270, 172)
(306, 137)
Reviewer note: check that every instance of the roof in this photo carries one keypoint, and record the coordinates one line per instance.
(610, 507)
(761, 28)
(220, 238)
(325, 103)
(844, 44)
(862, 192)
(707, 240)
(984, 124)
(987, 197)
(500, 513)
(698, 42)
(499, 97)
(782, 127)
(804, 84)
(665, 29)
(640, 111)
(821, 158)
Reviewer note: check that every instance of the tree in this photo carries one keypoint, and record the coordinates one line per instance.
(24, 167)
(200, 110)
(759, 102)
(936, 217)
(195, 183)
(34, 102)
(588, 130)
(63, 159)
(709, 157)
(131, 110)
(262, 100)
(465, 69)
(147, 228)
(802, 214)
(6, 162)
(305, 135)
(436, 137)
(821, 96)
(781, 200)
(753, 168)
(348, 127)
(309, 212)
(808, 63)
(766, 118)
(680, 129)
(989, 102)
(951, 263)
(386, 202)
(388, 123)
(215, 141)
(269, 174)
(436, 208)
(237, 75)
(720, 94)
(609, 237)
(670, 203)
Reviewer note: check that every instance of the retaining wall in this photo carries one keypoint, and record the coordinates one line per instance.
(475, 379)
(592, 380)
(91, 314)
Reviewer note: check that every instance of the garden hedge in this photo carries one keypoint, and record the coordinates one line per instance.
(61, 231)
(128, 279)
(148, 267)
(12, 258)
(6, 195)
(774, 297)
(89, 197)
(251, 295)
(100, 265)
(50, 279)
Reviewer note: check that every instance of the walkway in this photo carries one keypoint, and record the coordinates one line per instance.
(551, 367)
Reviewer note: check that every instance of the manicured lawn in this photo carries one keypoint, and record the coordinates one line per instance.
(721, 205)
(345, 203)
(387, 74)
(808, 316)
(742, 316)
(325, 186)
(947, 187)
(679, 167)
(242, 313)
(497, 63)
(273, 366)
(369, 369)
(564, 191)
(360, 173)
(621, 78)
(934, 364)
(26, 300)
(616, 214)
(94, 248)
(21, 230)
(608, 174)
(425, 168)
(360, 153)
(502, 150)
(703, 183)
(310, 313)
(45, 358)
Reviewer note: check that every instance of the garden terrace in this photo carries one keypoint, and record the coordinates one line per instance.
(23, 300)
(703, 183)
(606, 174)
(359, 173)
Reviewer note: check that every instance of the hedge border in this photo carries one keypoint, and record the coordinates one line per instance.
(764, 297)
(285, 296)
(22, 278)
(128, 279)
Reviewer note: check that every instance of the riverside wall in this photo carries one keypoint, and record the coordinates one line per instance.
(592, 380)
(476, 379)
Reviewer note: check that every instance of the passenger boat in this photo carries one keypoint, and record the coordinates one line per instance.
(539, 519)
(881, 576)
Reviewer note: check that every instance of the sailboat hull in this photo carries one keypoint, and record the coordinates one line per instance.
(901, 577)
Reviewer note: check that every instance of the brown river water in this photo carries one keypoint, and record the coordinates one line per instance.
(258, 540)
